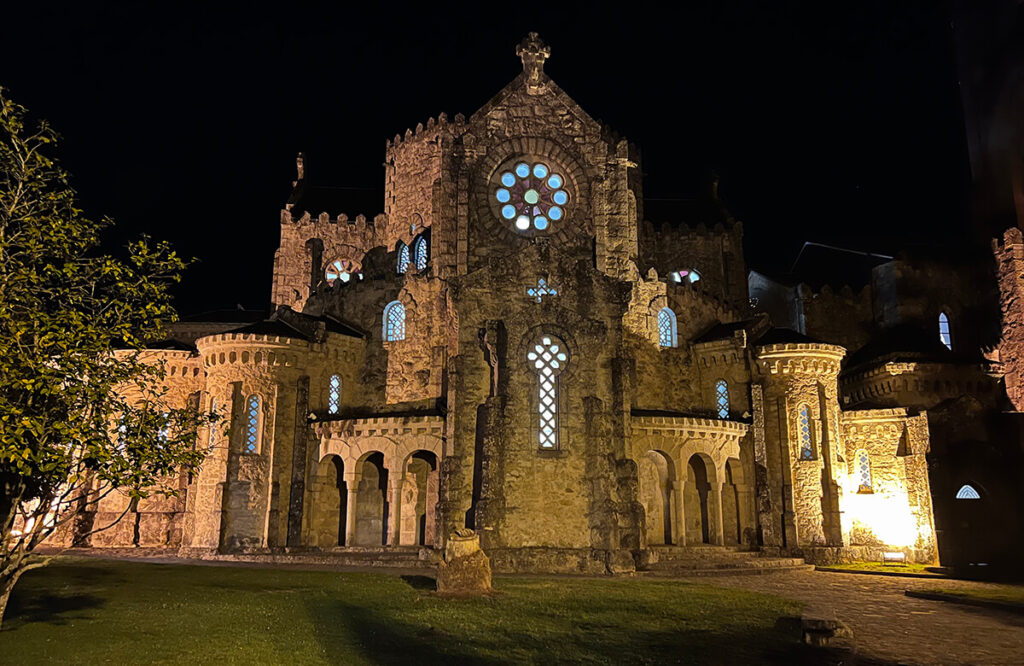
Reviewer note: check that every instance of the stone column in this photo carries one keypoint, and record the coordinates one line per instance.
(680, 494)
(352, 485)
(716, 531)
(394, 509)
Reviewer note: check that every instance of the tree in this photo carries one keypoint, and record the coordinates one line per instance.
(83, 411)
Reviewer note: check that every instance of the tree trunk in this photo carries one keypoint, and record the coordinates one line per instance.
(6, 585)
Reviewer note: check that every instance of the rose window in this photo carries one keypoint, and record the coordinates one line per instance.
(341, 269)
(531, 196)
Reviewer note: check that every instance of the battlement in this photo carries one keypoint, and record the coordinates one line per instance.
(428, 132)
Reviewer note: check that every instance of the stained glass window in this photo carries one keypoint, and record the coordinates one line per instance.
(531, 196)
(667, 328)
(340, 269)
(944, 336)
(804, 425)
(548, 357)
(722, 398)
(864, 472)
(403, 257)
(541, 290)
(394, 321)
(252, 424)
(691, 275)
(334, 394)
(420, 253)
(967, 492)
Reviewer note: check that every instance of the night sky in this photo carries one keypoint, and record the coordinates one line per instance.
(826, 124)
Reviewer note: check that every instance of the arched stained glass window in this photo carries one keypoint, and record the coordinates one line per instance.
(403, 257)
(967, 492)
(667, 328)
(722, 398)
(804, 433)
(252, 424)
(531, 195)
(863, 472)
(334, 394)
(944, 336)
(549, 357)
(420, 253)
(394, 321)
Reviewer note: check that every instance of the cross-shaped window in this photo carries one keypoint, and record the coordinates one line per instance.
(541, 290)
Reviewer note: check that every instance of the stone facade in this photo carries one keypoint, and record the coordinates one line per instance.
(575, 388)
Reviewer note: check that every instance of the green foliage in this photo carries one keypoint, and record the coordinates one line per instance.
(88, 611)
(81, 403)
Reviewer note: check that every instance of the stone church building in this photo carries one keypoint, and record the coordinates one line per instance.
(511, 346)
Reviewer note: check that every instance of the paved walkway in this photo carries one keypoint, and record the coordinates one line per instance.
(891, 627)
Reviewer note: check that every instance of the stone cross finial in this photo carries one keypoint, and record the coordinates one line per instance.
(300, 167)
(533, 52)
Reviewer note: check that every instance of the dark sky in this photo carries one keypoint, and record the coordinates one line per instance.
(831, 123)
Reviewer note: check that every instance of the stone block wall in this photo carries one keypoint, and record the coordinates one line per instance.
(1009, 257)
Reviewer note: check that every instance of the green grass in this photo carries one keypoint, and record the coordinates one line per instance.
(91, 611)
(1013, 594)
(878, 566)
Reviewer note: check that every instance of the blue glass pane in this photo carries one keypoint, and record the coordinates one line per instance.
(555, 213)
(508, 212)
(555, 181)
(522, 169)
(503, 195)
(507, 179)
(540, 222)
(560, 197)
(540, 171)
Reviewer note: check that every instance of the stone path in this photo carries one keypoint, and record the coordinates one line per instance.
(891, 627)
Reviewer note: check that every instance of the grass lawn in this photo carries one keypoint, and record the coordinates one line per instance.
(93, 611)
(878, 566)
(1013, 594)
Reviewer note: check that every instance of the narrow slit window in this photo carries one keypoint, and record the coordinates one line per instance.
(548, 356)
(667, 334)
(864, 472)
(252, 424)
(722, 398)
(394, 322)
(334, 394)
(804, 431)
(944, 336)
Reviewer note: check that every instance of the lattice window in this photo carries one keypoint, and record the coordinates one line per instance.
(967, 492)
(541, 290)
(549, 358)
(804, 427)
(864, 472)
(394, 321)
(252, 424)
(420, 253)
(944, 336)
(667, 328)
(403, 258)
(722, 398)
(334, 394)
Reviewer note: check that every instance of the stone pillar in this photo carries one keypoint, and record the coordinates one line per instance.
(680, 491)
(352, 486)
(716, 531)
(394, 509)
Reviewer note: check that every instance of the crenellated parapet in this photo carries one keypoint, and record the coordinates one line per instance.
(801, 358)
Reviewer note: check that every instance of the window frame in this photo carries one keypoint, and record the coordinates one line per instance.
(862, 464)
(402, 259)
(673, 322)
(334, 394)
(720, 383)
(559, 412)
(421, 253)
(386, 314)
(250, 447)
(807, 450)
(944, 321)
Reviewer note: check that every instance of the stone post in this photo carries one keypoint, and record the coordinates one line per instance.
(352, 485)
(680, 512)
(395, 509)
(716, 530)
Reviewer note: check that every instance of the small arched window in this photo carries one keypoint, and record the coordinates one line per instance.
(394, 321)
(667, 335)
(944, 335)
(419, 252)
(967, 492)
(252, 424)
(863, 472)
(804, 433)
(334, 394)
(403, 257)
(549, 357)
(722, 398)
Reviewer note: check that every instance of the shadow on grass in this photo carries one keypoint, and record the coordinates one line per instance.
(425, 583)
(344, 629)
(30, 606)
